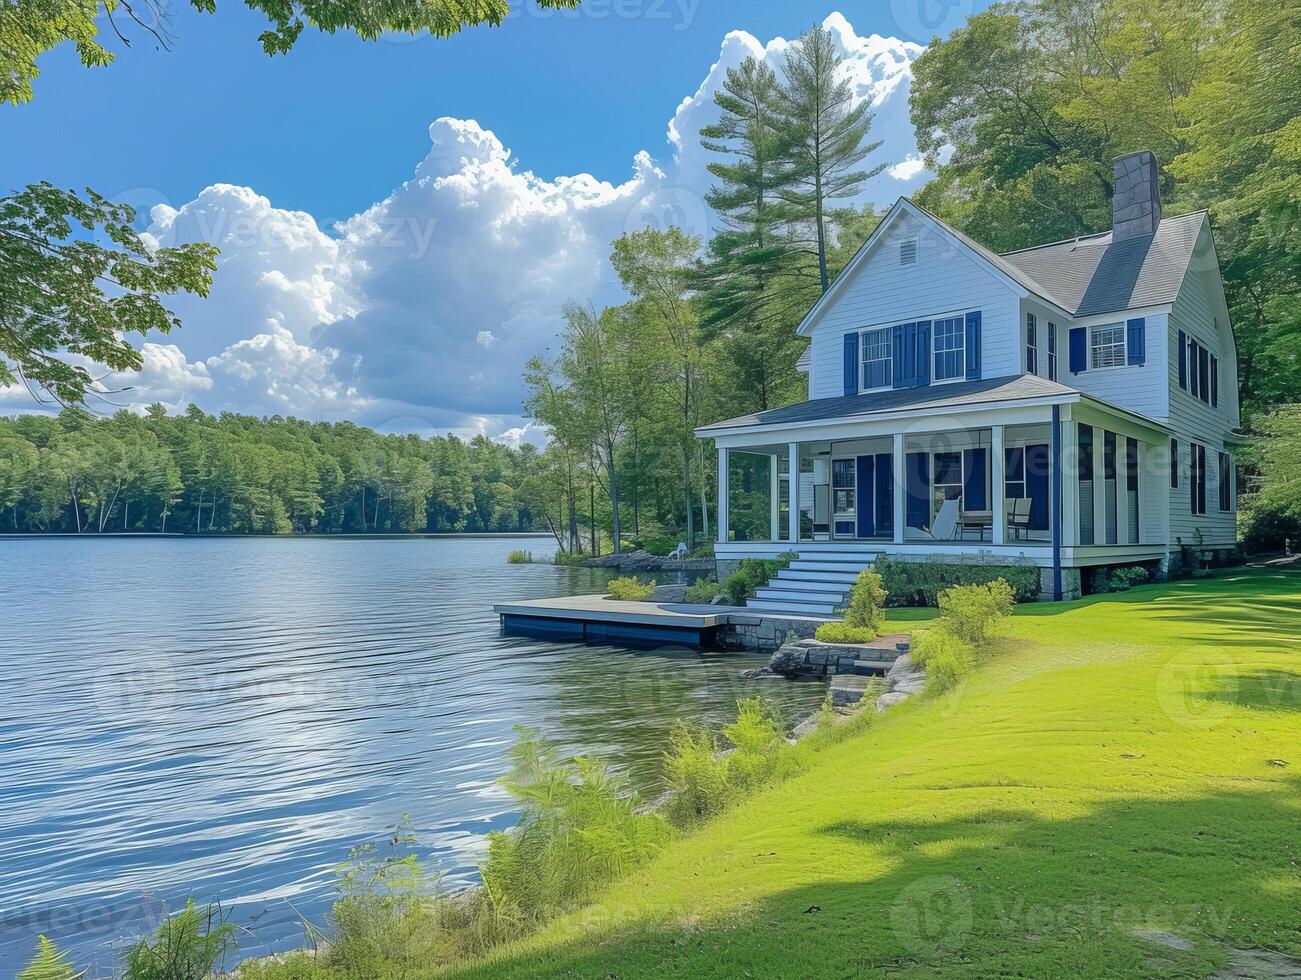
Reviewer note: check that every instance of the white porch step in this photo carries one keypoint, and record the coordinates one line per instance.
(847, 557)
(819, 565)
(794, 607)
(835, 586)
(847, 574)
(786, 595)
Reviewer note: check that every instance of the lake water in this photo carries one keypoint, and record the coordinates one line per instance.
(224, 718)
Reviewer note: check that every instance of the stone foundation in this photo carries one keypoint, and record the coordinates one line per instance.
(1072, 587)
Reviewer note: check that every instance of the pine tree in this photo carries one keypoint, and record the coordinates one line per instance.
(823, 135)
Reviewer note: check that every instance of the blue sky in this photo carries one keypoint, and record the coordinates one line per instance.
(336, 127)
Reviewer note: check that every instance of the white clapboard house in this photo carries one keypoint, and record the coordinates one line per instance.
(1073, 405)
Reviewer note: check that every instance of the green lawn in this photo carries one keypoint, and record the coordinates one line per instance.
(1127, 762)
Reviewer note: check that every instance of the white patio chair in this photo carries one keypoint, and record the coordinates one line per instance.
(1018, 516)
(945, 523)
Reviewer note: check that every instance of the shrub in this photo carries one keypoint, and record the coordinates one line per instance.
(703, 590)
(518, 556)
(946, 657)
(704, 551)
(696, 775)
(563, 557)
(970, 612)
(662, 544)
(579, 829)
(844, 633)
(630, 589)
(758, 738)
(867, 603)
(919, 583)
(752, 574)
(190, 945)
(1125, 577)
(49, 963)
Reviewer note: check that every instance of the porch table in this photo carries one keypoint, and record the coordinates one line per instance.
(977, 520)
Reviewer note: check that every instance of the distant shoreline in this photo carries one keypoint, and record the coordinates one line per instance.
(357, 536)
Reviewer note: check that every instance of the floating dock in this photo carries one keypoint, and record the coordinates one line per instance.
(600, 620)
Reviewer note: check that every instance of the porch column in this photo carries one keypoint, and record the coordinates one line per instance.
(998, 504)
(899, 459)
(723, 460)
(794, 516)
(774, 498)
(1099, 486)
(1070, 480)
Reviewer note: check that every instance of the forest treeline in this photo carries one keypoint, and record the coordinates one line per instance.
(232, 474)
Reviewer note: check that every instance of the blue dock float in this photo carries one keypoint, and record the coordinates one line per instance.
(599, 620)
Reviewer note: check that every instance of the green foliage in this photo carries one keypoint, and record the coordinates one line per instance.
(1030, 101)
(234, 474)
(630, 589)
(49, 963)
(919, 583)
(52, 277)
(703, 590)
(662, 544)
(518, 556)
(579, 829)
(972, 612)
(837, 632)
(866, 609)
(1270, 511)
(28, 28)
(190, 945)
(1122, 578)
(946, 657)
(696, 775)
(758, 737)
(752, 574)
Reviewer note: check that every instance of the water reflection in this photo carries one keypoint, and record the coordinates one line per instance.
(225, 718)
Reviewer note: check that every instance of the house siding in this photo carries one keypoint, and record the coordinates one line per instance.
(1196, 312)
(943, 281)
(1140, 388)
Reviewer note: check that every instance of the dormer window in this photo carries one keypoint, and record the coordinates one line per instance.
(908, 252)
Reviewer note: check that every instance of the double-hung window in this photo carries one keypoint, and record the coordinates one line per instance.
(1031, 344)
(1226, 482)
(1052, 351)
(1197, 479)
(878, 358)
(1107, 345)
(948, 341)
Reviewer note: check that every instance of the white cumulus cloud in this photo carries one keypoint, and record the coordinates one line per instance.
(418, 313)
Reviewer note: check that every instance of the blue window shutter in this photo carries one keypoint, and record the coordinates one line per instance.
(923, 348)
(918, 473)
(1079, 348)
(1215, 381)
(1137, 342)
(975, 479)
(900, 365)
(884, 493)
(973, 345)
(851, 363)
(1183, 360)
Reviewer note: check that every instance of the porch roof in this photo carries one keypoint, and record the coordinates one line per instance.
(957, 394)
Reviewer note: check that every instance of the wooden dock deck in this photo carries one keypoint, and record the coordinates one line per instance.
(598, 619)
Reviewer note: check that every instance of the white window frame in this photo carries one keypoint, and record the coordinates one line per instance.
(961, 349)
(1031, 344)
(1113, 347)
(864, 361)
(1052, 351)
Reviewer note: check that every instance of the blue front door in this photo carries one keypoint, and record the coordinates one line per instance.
(874, 496)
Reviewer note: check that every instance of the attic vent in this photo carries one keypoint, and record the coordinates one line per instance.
(908, 252)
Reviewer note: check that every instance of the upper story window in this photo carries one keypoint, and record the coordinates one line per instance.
(1052, 351)
(878, 358)
(908, 251)
(1031, 344)
(948, 342)
(1107, 345)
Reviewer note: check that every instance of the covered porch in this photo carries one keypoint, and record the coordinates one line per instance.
(1061, 481)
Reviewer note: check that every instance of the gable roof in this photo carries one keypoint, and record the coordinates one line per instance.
(1096, 275)
(1080, 276)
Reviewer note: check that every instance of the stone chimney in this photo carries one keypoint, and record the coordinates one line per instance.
(1136, 203)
